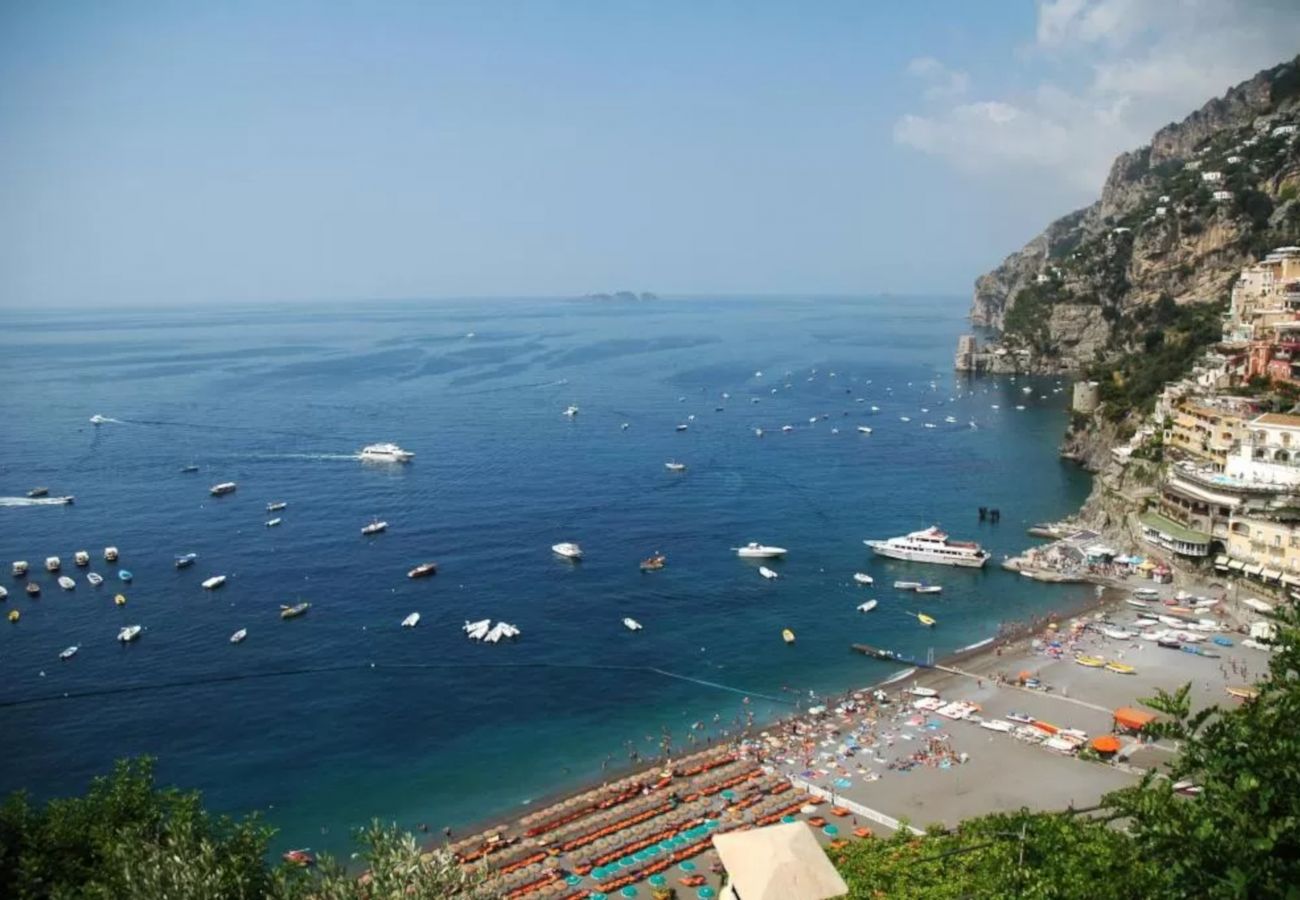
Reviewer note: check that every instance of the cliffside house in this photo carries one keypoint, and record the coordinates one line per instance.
(1167, 534)
(1267, 548)
(1283, 131)
(1269, 453)
(1211, 177)
(1221, 196)
(1207, 429)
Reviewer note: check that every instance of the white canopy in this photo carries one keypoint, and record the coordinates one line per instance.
(779, 862)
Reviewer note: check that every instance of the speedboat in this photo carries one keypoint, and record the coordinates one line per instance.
(863, 429)
(110, 554)
(758, 432)
(631, 624)
(867, 607)
(754, 550)
(681, 427)
(930, 589)
(567, 549)
(863, 578)
(925, 620)
(1140, 604)
(951, 420)
(385, 453)
(66, 583)
(97, 419)
(570, 411)
(931, 546)
(239, 636)
(767, 573)
(276, 506)
(124, 575)
(787, 428)
(214, 582)
(95, 579)
(226, 487)
(186, 560)
(291, 612)
(33, 589)
(52, 564)
(69, 652)
(476, 631)
(906, 585)
(904, 418)
(423, 569)
(411, 621)
(271, 523)
(81, 558)
(787, 635)
(374, 527)
(66, 501)
(129, 633)
(190, 469)
(675, 466)
(19, 568)
(38, 492)
(654, 563)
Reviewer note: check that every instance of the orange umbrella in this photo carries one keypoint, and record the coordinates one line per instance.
(1106, 743)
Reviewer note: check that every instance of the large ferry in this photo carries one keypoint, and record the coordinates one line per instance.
(931, 546)
(386, 453)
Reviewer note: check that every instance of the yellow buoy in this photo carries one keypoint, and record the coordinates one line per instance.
(120, 599)
(14, 615)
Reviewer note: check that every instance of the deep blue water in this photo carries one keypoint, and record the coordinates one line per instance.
(279, 401)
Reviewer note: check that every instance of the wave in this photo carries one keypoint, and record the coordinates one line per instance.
(31, 501)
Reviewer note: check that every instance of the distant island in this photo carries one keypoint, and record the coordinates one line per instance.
(625, 296)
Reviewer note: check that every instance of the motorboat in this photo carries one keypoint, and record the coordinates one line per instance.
(767, 573)
(38, 492)
(124, 575)
(930, 425)
(1146, 594)
(931, 546)
(190, 469)
(52, 564)
(81, 558)
(476, 631)
(625, 426)
(95, 579)
(19, 568)
(758, 432)
(951, 420)
(110, 554)
(754, 550)
(925, 620)
(571, 411)
(1090, 662)
(277, 506)
(787, 635)
(1120, 668)
(1119, 634)
(292, 612)
(863, 578)
(97, 419)
(930, 589)
(119, 599)
(226, 487)
(631, 624)
(385, 453)
(567, 549)
(239, 636)
(868, 606)
(186, 560)
(863, 429)
(66, 501)
(495, 633)
(33, 589)
(904, 418)
(374, 527)
(272, 523)
(681, 427)
(906, 585)
(1138, 604)
(423, 569)
(654, 563)
(787, 428)
(675, 466)
(919, 691)
(411, 621)
(69, 652)
(214, 582)
(66, 583)
(128, 633)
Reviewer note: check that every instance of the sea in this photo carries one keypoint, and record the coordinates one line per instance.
(324, 721)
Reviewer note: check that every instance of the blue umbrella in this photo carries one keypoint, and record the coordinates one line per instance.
(597, 895)
(666, 845)
(658, 880)
(729, 794)
(705, 893)
(687, 866)
(830, 831)
(627, 862)
(788, 819)
(628, 891)
(599, 873)
(640, 856)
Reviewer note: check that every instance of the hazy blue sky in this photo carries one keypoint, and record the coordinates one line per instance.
(175, 153)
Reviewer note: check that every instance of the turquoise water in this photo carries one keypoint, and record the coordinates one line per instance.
(444, 731)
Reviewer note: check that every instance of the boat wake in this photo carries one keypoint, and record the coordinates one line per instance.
(320, 456)
(31, 501)
(107, 420)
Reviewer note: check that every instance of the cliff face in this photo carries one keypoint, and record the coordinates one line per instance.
(1157, 229)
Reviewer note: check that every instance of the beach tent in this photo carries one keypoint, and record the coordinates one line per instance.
(779, 862)
(1133, 719)
(1106, 743)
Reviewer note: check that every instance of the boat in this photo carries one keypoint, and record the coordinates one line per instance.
(1139, 604)
(52, 564)
(925, 620)
(95, 579)
(190, 469)
(129, 633)
(38, 492)
(754, 550)
(14, 615)
(681, 427)
(767, 573)
(66, 501)
(226, 487)
(19, 568)
(867, 607)
(4, 593)
(951, 420)
(931, 546)
(930, 589)
(119, 600)
(495, 633)
(1090, 662)
(272, 523)
(787, 635)
(110, 554)
(1119, 634)
(69, 652)
(290, 612)
(33, 589)
(302, 857)
(863, 578)
(567, 549)
(411, 621)
(917, 690)
(863, 429)
(476, 631)
(906, 585)
(787, 428)
(186, 560)
(214, 582)
(385, 453)
(571, 411)
(1222, 641)
(276, 506)
(675, 466)
(631, 624)
(904, 419)
(97, 419)
(423, 569)
(239, 635)
(124, 575)
(81, 558)
(654, 563)
(374, 527)
(1146, 593)
(66, 583)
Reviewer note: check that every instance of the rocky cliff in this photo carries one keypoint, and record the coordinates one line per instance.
(1177, 218)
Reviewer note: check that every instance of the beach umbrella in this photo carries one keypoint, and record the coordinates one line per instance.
(729, 794)
(597, 895)
(830, 831)
(666, 845)
(627, 862)
(658, 880)
(788, 819)
(687, 866)
(573, 879)
(628, 891)
(599, 873)
(1106, 743)
(706, 893)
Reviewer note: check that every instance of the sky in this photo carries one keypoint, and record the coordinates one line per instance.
(175, 154)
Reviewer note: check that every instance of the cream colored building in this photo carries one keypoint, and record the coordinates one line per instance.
(1268, 549)
(1265, 295)
(1204, 431)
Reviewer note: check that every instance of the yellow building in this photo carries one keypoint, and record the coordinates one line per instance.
(1267, 549)
(1205, 432)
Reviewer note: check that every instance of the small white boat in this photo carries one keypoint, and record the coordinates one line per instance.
(1119, 634)
(863, 429)
(66, 583)
(494, 634)
(19, 568)
(272, 523)
(631, 624)
(675, 466)
(81, 558)
(110, 554)
(875, 409)
(185, 560)
(681, 427)
(904, 418)
(930, 425)
(129, 633)
(476, 631)
(69, 652)
(411, 621)
(385, 453)
(867, 607)
(97, 419)
(907, 585)
(754, 550)
(918, 691)
(812, 421)
(571, 411)
(758, 432)
(951, 420)
(625, 426)
(52, 564)
(276, 506)
(1139, 604)
(474, 626)
(95, 579)
(863, 578)
(767, 573)
(929, 589)
(375, 527)
(214, 582)
(567, 549)
(4, 593)
(226, 487)
(239, 636)
(787, 428)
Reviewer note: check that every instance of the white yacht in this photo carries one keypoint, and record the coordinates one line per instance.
(631, 624)
(754, 550)
(239, 635)
(129, 633)
(411, 621)
(226, 487)
(374, 527)
(863, 578)
(272, 523)
(767, 573)
(675, 466)
(867, 607)
(276, 506)
(214, 582)
(69, 652)
(385, 453)
(931, 546)
(110, 554)
(567, 549)
(19, 568)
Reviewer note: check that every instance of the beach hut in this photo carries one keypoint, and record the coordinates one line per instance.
(1129, 719)
(778, 862)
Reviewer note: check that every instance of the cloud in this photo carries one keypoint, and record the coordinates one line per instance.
(941, 81)
(1119, 70)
